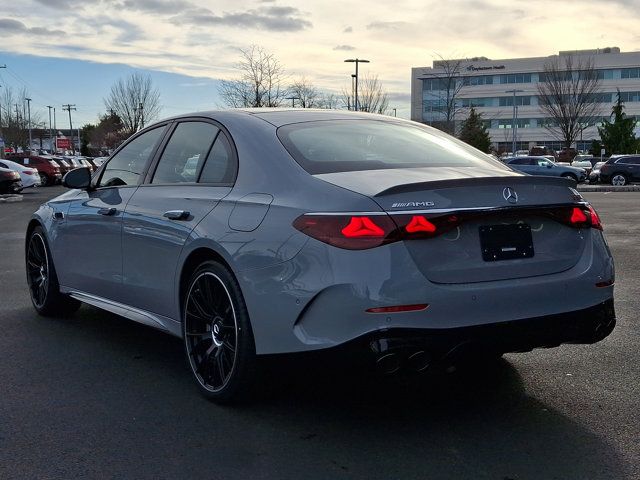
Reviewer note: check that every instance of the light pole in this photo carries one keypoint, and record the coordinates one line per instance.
(293, 101)
(353, 83)
(55, 129)
(50, 131)
(356, 61)
(394, 113)
(513, 124)
(29, 120)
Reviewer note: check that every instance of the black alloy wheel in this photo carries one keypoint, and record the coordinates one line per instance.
(42, 280)
(217, 334)
(38, 270)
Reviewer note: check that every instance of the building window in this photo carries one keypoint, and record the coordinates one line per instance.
(630, 96)
(516, 78)
(477, 102)
(604, 74)
(438, 83)
(477, 80)
(508, 101)
(522, 123)
(630, 73)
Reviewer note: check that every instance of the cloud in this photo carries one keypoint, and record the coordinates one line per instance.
(194, 84)
(277, 19)
(348, 30)
(386, 25)
(158, 7)
(62, 4)
(345, 48)
(10, 26)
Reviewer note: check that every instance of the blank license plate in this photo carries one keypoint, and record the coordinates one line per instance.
(506, 242)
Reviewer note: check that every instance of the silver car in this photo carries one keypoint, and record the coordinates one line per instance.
(301, 230)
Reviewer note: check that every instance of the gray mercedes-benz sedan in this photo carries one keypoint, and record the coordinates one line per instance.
(254, 232)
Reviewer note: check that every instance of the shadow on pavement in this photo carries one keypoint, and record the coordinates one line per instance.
(112, 396)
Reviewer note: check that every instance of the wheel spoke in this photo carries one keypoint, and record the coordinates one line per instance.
(210, 331)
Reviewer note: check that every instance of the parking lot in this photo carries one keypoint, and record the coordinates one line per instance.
(97, 396)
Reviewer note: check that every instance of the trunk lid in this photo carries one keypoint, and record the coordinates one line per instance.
(479, 200)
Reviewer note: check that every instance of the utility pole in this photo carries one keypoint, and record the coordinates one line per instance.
(356, 61)
(141, 108)
(68, 107)
(50, 131)
(29, 110)
(394, 113)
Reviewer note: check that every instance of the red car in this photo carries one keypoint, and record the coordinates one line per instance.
(48, 170)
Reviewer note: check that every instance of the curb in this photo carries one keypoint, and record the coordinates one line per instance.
(608, 188)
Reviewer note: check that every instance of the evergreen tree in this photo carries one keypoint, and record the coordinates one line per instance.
(475, 133)
(618, 136)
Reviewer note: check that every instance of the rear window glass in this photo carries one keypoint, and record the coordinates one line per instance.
(348, 145)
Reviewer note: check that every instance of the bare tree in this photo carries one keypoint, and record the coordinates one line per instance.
(372, 97)
(568, 93)
(329, 101)
(306, 93)
(261, 81)
(15, 121)
(135, 101)
(446, 85)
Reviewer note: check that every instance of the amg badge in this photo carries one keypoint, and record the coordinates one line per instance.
(412, 204)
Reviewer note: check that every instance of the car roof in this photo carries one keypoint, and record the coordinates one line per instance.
(285, 116)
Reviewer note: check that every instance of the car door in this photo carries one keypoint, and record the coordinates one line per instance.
(633, 165)
(197, 167)
(91, 232)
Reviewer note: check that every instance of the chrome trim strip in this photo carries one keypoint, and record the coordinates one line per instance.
(132, 313)
(447, 210)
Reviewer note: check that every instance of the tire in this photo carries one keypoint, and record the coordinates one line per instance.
(619, 179)
(44, 179)
(42, 280)
(217, 335)
(571, 176)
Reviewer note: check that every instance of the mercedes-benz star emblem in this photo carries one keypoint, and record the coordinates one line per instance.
(510, 195)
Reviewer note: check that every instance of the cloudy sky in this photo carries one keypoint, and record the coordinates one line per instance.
(71, 50)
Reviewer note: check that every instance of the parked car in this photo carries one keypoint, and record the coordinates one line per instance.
(566, 154)
(62, 164)
(620, 170)
(541, 151)
(94, 166)
(543, 166)
(98, 161)
(583, 161)
(398, 241)
(28, 176)
(48, 170)
(594, 176)
(10, 181)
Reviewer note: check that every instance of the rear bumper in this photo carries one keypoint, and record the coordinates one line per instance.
(586, 326)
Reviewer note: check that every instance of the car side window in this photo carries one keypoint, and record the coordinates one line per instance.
(127, 165)
(3, 165)
(220, 166)
(184, 155)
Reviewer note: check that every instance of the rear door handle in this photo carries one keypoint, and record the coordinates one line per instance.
(107, 211)
(176, 214)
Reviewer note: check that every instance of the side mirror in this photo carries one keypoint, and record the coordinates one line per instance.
(79, 178)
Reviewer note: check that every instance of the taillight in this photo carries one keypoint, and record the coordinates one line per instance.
(352, 232)
(362, 231)
(595, 218)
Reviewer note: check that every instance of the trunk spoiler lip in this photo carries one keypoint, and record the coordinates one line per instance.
(478, 181)
(454, 210)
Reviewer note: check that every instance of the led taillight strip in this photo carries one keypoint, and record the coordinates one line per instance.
(358, 231)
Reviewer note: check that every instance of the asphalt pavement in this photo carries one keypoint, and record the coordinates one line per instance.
(97, 396)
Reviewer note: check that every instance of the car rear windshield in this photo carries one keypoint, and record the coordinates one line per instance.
(329, 146)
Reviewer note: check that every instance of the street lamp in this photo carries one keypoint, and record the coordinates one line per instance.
(356, 61)
(29, 110)
(513, 124)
